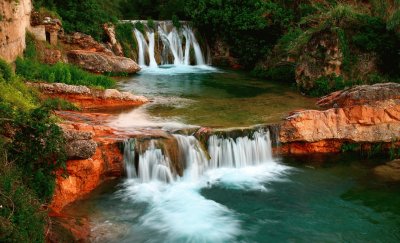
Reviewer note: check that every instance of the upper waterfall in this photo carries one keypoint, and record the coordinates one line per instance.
(162, 43)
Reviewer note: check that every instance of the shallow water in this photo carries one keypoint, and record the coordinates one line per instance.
(206, 96)
(268, 203)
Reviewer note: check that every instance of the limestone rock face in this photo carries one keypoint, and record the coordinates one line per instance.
(80, 41)
(15, 18)
(86, 174)
(98, 62)
(321, 57)
(363, 114)
(115, 45)
(378, 123)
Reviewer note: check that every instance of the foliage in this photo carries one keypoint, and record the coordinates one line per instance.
(21, 219)
(350, 147)
(86, 16)
(124, 35)
(6, 72)
(250, 27)
(59, 104)
(175, 21)
(61, 73)
(327, 84)
(280, 73)
(155, 9)
(38, 150)
(151, 24)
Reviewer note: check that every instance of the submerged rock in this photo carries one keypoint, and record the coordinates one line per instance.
(389, 171)
(99, 62)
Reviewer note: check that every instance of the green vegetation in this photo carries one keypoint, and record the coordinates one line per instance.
(125, 37)
(31, 69)
(31, 151)
(60, 73)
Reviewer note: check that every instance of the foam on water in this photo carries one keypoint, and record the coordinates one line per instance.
(179, 212)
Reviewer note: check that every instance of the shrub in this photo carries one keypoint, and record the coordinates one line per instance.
(21, 219)
(6, 72)
(38, 150)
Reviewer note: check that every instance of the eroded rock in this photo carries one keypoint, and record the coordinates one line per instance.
(99, 62)
(87, 98)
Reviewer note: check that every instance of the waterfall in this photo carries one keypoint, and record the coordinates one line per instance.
(142, 45)
(150, 36)
(176, 43)
(153, 164)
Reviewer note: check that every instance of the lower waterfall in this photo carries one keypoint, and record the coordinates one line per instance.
(176, 210)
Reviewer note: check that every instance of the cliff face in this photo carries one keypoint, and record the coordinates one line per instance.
(14, 19)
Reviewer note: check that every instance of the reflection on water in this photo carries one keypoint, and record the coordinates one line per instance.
(206, 96)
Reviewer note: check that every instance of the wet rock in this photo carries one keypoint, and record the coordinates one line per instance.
(99, 62)
(389, 171)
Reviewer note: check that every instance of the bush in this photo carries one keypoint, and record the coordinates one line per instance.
(21, 219)
(327, 84)
(283, 73)
(38, 148)
(6, 72)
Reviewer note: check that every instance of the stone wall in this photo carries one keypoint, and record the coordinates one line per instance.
(14, 19)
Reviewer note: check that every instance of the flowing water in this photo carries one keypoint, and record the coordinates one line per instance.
(228, 188)
(241, 194)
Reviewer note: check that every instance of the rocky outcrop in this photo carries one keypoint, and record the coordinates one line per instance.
(321, 57)
(80, 41)
(87, 98)
(84, 175)
(361, 95)
(357, 119)
(389, 171)
(112, 40)
(98, 62)
(14, 19)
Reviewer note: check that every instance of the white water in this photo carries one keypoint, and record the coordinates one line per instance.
(150, 37)
(142, 45)
(177, 210)
(177, 43)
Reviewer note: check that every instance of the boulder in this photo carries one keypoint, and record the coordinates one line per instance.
(99, 62)
(80, 145)
(364, 115)
(80, 41)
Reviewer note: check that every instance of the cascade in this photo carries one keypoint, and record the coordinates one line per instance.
(142, 45)
(177, 44)
(223, 152)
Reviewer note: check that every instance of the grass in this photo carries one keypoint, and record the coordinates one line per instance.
(60, 73)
